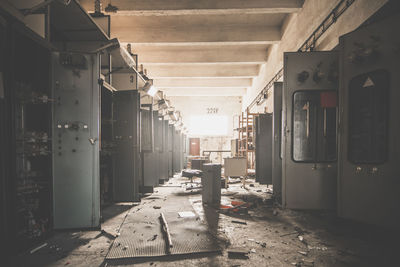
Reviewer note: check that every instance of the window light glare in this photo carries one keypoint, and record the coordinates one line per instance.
(152, 91)
(207, 125)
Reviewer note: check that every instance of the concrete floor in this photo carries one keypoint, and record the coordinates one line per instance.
(272, 236)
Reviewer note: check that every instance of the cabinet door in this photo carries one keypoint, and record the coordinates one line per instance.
(4, 163)
(277, 142)
(126, 114)
(310, 124)
(368, 180)
(76, 118)
(264, 149)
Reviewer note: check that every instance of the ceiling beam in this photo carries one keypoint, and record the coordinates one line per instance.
(206, 83)
(198, 54)
(205, 91)
(203, 71)
(198, 7)
(196, 34)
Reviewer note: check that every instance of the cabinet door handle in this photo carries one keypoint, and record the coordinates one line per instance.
(92, 141)
(306, 107)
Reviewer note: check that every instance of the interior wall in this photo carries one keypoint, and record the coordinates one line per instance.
(216, 143)
(297, 28)
(229, 106)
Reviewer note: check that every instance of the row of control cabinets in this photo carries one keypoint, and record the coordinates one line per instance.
(334, 128)
(69, 144)
(165, 155)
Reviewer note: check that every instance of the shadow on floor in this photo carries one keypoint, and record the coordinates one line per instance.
(63, 243)
(170, 258)
(115, 209)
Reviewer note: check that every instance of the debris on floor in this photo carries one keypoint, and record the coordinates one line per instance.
(38, 248)
(153, 238)
(317, 248)
(303, 253)
(304, 263)
(234, 180)
(301, 238)
(186, 214)
(239, 222)
(238, 253)
(166, 232)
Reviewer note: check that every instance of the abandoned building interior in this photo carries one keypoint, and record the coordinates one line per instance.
(199, 132)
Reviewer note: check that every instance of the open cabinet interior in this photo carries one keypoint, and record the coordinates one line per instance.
(33, 140)
(107, 147)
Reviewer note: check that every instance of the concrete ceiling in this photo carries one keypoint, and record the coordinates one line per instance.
(200, 47)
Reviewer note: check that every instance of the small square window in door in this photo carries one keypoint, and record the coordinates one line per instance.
(368, 117)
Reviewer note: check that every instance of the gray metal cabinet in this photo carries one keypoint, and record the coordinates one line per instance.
(76, 182)
(176, 158)
(185, 150)
(4, 136)
(309, 113)
(277, 142)
(263, 135)
(369, 176)
(148, 148)
(126, 105)
(158, 146)
(164, 153)
(170, 139)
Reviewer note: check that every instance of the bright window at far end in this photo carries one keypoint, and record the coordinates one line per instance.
(208, 125)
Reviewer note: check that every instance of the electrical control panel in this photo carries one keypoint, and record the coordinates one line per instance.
(158, 142)
(148, 148)
(4, 164)
(26, 140)
(165, 155)
(147, 128)
(368, 179)
(158, 146)
(162, 155)
(31, 100)
(277, 142)
(126, 131)
(263, 141)
(177, 148)
(170, 138)
(310, 125)
(107, 147)
(76, 146)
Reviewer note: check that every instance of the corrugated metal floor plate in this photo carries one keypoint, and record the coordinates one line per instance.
(141, 234)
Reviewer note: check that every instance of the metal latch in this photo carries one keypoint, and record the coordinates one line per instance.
(92, 141)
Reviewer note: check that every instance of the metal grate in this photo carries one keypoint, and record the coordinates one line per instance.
(188, 236)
